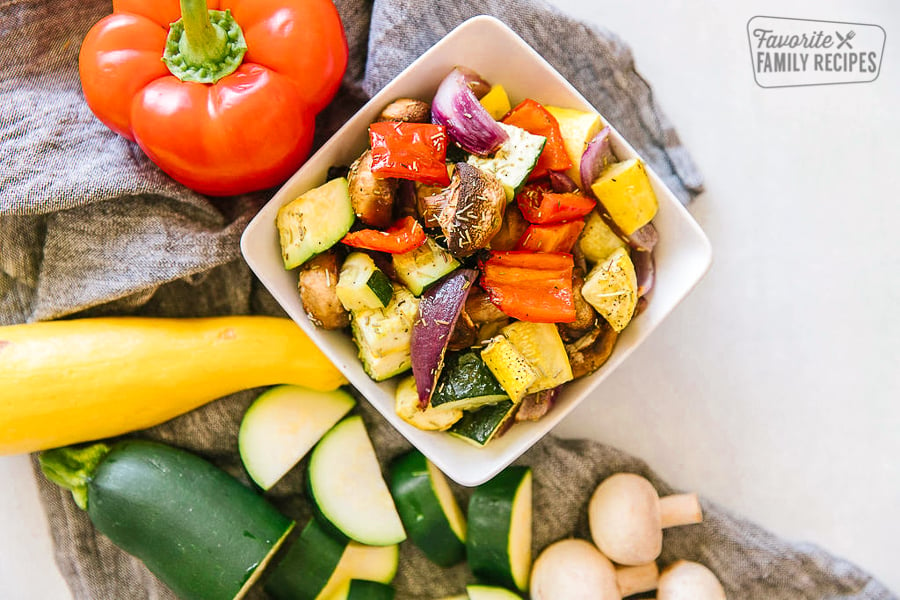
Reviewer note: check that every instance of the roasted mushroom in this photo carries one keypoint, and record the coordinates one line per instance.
(318, 285)
(473, 212)
(372, 197)
(511, 231)
(407, 110)
(585, 315)
(588, 353)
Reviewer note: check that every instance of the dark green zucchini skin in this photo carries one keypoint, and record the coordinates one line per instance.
(421, 513)
(198, 529)
(369, 590)
(307, 566)
(490, 516)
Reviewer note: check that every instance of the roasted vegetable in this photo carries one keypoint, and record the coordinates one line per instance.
(439, 309)
(611, 288)
(403, 236)
(318, 291)
(430, 418)
(625, 192)
(578, 128)
(531, 286)
(415, 151)
(407, 110)
(383, 335)
(372, 197)
(531, 116)
(314, 222)
(468, 124)
(473, 210)
(128, 373)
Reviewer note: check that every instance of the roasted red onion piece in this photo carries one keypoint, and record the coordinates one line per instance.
(439, 309)
(644, 270)
(596, 157)
(644, 238)
(562, 183)
(456, 107)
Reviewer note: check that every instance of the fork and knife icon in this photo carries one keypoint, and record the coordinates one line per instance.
(845, 39)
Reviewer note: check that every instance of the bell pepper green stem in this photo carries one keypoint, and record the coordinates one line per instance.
(72, 468)
(203, 45)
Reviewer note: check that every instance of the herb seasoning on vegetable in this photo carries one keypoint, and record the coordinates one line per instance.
(224, 100)
(497, 255)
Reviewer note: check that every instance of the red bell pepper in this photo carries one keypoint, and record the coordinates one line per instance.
(555, 237)
(224, 100)
(534, 118)
(404, 235)
(539, 205)
(531, 286)
(416, 151)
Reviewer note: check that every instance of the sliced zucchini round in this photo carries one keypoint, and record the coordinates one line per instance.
(283, 424)
(499, 529)
(428, 509)
(348, 489)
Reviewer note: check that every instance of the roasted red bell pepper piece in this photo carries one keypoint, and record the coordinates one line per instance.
(531, 286)
(534, 118)
(224, 100)
(404, 235)
(416, 151)
(555, 237)
(539, 205)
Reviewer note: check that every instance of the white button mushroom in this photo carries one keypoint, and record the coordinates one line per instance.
(686, 580)
(627, 516)
(574, 569)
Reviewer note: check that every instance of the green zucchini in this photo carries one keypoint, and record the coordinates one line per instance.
(320, 565)
(360, 589)
(430, 514)
(383, 335)
(361, 284)
(283, 424)
(490, 592)
(199, 530)
(419, 268)
(348, 489)
(499, 537)
(314, 222)
(484, 424)
(513, 162)
(466, 383)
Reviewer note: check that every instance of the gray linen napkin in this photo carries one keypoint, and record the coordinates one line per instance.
(88, 227)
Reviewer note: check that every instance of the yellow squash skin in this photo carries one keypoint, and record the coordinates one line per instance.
(65, 382)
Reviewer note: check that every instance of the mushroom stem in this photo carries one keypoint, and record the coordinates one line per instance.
(634, 580)
(680, 509)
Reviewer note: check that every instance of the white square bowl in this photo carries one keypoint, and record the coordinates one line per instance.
(486, 45)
